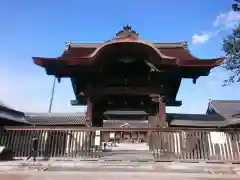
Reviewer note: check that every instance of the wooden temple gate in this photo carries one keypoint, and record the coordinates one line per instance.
(165, 144)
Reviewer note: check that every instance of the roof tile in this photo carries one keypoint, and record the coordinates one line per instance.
(158, 45)
(200, 120)
(56, 119)
(225, 108)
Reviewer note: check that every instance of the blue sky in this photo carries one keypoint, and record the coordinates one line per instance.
(41, 28)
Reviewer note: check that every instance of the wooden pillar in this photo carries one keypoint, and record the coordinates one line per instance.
(89, 111)
(157, 112)
(138, 137)
(162, 114)
(96, 113)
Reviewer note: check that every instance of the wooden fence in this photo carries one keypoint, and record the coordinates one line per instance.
(209, 145)
(51, 142)
(166, 144)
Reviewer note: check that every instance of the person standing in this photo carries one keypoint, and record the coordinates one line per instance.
(34, 149)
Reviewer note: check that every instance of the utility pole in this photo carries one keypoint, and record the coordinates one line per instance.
(53, 90)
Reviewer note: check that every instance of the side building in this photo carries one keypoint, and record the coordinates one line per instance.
(59, 143)
(11, 117)
(220, 114)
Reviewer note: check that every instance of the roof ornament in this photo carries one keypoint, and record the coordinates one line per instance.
(194, 80)
(126, 32)
(185, 45)
(67, 44)
(125, 125)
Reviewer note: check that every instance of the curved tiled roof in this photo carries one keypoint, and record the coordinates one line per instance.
(97, 45)
(87, 54)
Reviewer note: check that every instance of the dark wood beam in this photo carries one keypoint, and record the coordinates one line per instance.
(82, 102)
(126, 90)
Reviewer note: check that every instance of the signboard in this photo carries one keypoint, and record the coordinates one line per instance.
(97, 141)
(218, 137)
(112, 135)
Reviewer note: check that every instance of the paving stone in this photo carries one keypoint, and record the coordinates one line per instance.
(106, 175)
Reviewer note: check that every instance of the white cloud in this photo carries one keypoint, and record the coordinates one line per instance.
(227, 20)
(200, 39)
(222, 22)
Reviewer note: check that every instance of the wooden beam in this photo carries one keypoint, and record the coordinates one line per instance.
(127, 90)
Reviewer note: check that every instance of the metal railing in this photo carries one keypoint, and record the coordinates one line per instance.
(166, 144)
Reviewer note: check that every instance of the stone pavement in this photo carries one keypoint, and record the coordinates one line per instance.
(127, 151)
(110, 168)
(112, 175)
(118, 154)
(23, 170)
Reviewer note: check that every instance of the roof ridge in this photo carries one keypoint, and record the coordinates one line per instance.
(54, 114)
(5, 105)
(178, 42)
(182, 44)
(236, 113)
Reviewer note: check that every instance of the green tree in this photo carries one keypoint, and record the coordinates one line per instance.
(235, 6)
(231, 47)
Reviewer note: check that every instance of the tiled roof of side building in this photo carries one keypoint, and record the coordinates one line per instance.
(6, 107)
(56, 118)
(174, 119)
(9, 114)
(225, 108)
(196, 120)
